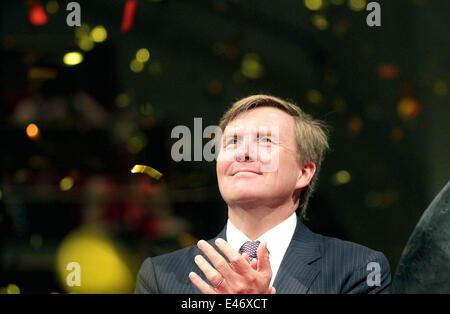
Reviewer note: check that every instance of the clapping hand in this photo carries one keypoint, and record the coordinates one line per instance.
(238, 276)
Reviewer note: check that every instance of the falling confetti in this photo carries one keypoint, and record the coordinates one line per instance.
(147, 170)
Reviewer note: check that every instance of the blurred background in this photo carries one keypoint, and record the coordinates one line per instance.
(82, 105)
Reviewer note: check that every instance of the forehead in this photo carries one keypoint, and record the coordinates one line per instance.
(269, 117)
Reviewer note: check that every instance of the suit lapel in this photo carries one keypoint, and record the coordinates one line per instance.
(297, 272)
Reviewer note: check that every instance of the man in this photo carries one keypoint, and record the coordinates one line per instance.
(267, 167)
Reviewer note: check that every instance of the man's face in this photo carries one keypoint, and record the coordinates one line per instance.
(257, 161)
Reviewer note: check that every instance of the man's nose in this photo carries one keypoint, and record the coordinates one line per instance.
(246, 152)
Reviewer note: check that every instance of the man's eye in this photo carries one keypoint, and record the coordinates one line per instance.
(265, 139)
(231, 141)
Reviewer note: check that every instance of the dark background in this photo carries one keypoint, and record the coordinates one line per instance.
(383, 90)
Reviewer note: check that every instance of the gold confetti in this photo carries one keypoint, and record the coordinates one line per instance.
(147, 170)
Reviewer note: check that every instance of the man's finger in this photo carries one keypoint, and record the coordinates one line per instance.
(263, 259)
(210, 272)
(246, 257)
(236, 259)
(219, 262)
(201, 284)
(254, 264)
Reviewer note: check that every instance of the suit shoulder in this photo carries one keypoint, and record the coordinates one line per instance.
(166, 273)
(345, 245)
(350, 253)
(355, 264)
(177, 255)
(174, 259)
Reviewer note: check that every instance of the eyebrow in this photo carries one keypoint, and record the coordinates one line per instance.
(268, 132)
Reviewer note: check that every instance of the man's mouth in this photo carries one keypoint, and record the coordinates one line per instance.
(247, 171)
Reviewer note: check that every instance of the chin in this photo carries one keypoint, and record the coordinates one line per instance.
(244, 196)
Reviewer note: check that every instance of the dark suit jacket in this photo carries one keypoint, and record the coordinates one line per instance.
(312, 264)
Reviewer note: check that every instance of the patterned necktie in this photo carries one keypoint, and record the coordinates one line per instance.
(250, 248)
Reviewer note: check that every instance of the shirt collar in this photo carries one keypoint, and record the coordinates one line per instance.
(278, 238)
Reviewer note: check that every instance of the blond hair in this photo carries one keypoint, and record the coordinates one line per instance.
(311, 135)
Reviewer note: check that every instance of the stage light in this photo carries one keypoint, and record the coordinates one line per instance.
(66, 183)
(354, 125)
(82, 31)
(85, 43)
(313, 5)
(314, 96)
(387, 71)
(440, 88)
(146, 109)
(397, 134)
(142, 55)
(99, 34)
(123, 100)
(37, 15)
(341, 177)
(32, 131)
(251, 66)
(73, 58)
(12, 289)
(389, 197)
(102, 268)
(52, 7)
(41, 73)
(357, 5)
(373, 199)
(408, 108)
(320, 22)
(136, 143)
(136, 66)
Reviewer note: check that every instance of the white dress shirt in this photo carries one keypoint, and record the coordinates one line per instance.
(277, 238)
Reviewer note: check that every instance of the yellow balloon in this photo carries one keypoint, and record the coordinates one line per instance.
(88, 262)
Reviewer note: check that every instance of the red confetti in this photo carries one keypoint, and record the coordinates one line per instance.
(128, 15)
(37, 15)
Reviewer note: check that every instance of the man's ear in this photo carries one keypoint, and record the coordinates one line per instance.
(305, 174)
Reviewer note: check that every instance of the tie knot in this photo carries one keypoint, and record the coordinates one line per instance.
(250, 248)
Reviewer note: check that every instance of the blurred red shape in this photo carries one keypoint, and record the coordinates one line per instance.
(37, 15)
(388, 71)
(408, 108)
(128, 15)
